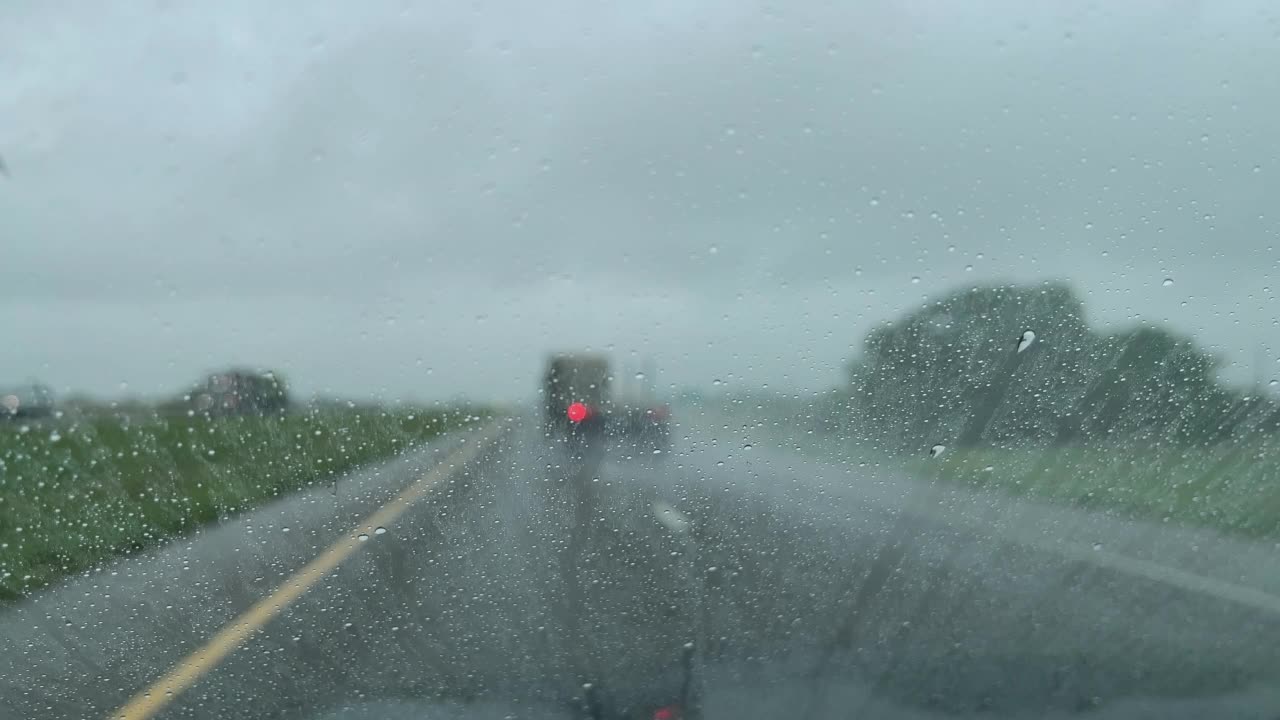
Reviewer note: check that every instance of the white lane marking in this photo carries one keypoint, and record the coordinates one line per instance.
(673, 519)
(1213, 587)
(1099, 557)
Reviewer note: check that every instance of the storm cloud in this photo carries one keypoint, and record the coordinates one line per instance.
(420, 202)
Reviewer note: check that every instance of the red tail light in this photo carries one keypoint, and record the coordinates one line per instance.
(577, 412)
(670, 712)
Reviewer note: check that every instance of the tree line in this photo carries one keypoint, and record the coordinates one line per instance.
(999, 365)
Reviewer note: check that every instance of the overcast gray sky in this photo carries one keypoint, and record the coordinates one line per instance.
(402, 199)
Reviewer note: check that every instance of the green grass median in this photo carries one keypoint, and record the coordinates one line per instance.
(74, 493)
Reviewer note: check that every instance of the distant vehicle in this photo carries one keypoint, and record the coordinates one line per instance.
(641, 418)
(580, 401)
(27, 401)
(241, 392)
(575, 391)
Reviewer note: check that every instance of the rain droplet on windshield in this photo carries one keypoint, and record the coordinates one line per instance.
(379, 531)
(1028, 337)
(937, 450)
(1167, 282)
(362, 537)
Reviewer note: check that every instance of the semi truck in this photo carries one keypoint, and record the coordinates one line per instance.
(580, 402)
(575, 392)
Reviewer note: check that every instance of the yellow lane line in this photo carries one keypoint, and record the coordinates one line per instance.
(155, 697)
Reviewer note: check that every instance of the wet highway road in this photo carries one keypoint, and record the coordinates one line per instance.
(809, 589)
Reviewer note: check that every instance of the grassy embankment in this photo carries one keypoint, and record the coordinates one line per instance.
(74, 493)
(1231, 488)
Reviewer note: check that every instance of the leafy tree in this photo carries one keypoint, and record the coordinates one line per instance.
(1147, 383)
(237, 391)
(986, 362)
(1002, 364)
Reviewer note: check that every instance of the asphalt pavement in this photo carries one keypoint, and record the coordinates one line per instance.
(807, 588)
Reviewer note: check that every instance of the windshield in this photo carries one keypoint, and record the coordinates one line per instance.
(644, 360)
